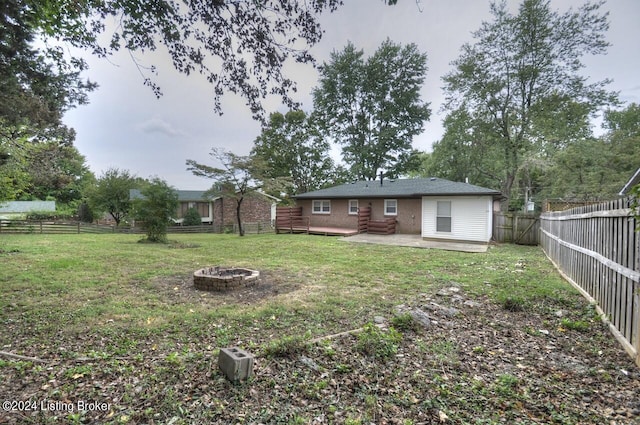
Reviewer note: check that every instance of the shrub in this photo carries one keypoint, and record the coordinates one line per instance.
(192, 218)
(156, 209)
(378, 343)
(288, 346)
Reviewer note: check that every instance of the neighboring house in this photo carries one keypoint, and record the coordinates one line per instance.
(195, 199)
(434, 208)
(19, 209)
(634, 180)
(259, 207)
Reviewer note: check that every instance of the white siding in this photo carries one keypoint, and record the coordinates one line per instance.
(471, 218)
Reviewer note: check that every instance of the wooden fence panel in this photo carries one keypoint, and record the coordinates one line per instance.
(62, 227)
(516, 228)
(597, 249)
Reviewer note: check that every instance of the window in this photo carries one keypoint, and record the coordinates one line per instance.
(322, 207)
(203, 209)
(390, 207)
(353, 206)
(443, 217)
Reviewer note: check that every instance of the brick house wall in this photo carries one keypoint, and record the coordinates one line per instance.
(256, 208)
(408, 218)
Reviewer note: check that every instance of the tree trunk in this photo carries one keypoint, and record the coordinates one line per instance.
(238, 217)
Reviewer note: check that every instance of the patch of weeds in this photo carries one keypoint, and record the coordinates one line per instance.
(173, 359)
(77, 372)
(343, 368)
(377, 342)
(478, 349)
(298, 420)
(223, 336)
(404, 322)
(513, 303)
(287, 346)
(444, 351)
(575, 325)
(328, 349)
(506, 384)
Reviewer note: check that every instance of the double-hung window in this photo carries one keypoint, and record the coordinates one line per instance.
(353, 206)
(322, 206)
(443, 217)
(390, 207)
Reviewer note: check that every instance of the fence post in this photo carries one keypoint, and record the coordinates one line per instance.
(636, 300)
(78, 227)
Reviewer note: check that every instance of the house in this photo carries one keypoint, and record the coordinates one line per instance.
(434, 208)
(194, 199)
(259, 207)
(19, 209)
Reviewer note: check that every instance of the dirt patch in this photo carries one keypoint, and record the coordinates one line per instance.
(180, 289)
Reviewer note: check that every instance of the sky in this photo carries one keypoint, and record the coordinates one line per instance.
(125, 126)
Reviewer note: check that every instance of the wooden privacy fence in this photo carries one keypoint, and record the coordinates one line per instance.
(597, 249)
(516, 228)
(291, 220)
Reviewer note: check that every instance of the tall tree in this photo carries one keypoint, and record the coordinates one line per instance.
(37, 84)
(111, 193)
(291, 148)
(596, 168)
(523, 71)
(234, 179)
(372, 107)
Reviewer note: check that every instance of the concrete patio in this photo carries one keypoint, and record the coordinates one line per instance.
(416, 241)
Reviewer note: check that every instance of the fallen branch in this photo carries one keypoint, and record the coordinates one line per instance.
(338, 335)
(19, 357)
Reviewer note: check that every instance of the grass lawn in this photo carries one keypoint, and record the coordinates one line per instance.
(114, 322)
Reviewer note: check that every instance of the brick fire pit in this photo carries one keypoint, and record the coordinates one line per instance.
(223, 279)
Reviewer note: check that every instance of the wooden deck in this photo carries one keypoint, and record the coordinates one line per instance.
(315, 230)
(332, 231)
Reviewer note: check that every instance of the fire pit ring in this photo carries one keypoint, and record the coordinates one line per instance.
(222, 279)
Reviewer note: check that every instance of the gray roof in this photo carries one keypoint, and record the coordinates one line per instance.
(401, 188)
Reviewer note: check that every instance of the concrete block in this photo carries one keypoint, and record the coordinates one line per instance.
(235, 363)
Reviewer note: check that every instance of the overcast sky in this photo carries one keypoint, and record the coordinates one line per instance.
(125, 126)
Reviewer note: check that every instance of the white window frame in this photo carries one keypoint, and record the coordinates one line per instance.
(318, 206)
(438, 216)
(387, 204)
(351, 205)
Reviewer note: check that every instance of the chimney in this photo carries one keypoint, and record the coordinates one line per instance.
(381, 177)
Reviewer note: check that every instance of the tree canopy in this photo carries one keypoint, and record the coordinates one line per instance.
(520, 83)
(110, 194)
(234, 179)
(237, 46)
(292, 150)
(372, 107)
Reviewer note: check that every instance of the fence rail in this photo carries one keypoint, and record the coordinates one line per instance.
(69, 227)
(597, 249)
